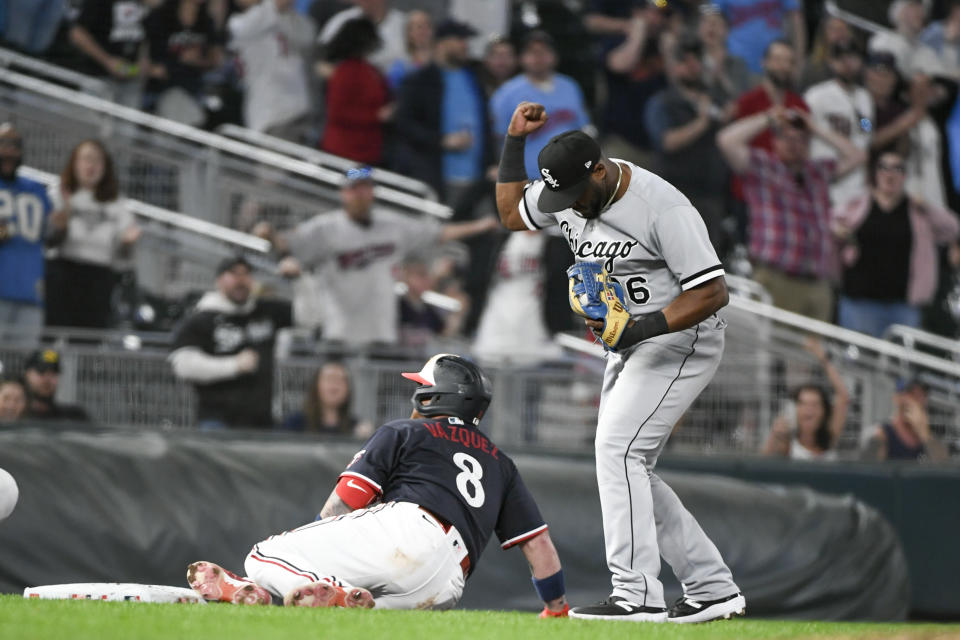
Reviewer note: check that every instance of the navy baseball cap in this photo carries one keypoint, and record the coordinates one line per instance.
(230, 262)
(883, 59)
(539, 36)
(565, 166)
(453, 29)
(43, 360)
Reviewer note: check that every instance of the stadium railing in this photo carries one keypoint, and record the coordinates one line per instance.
(35, 67)
(43, 70)
(921, 340)
(178, 167)
(178, 253)
(326, 160)
(125, 380)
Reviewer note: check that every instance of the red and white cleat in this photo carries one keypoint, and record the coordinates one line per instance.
(215, 583)
(323, 594)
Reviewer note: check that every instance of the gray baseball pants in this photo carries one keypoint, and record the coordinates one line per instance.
(645, 392)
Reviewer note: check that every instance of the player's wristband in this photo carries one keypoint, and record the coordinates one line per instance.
(648, 326)
(563, 613)
(551, 587)
(511, 160)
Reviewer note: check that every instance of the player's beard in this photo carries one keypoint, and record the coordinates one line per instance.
(595, 205)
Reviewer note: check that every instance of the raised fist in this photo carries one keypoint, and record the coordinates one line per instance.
(527, 118)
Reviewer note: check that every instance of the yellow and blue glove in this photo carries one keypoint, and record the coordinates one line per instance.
(594, 295)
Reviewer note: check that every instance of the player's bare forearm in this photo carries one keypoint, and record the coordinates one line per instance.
(334, 506)
(697, 304)
(542, 557)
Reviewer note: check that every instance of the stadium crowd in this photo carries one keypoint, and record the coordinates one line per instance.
(827, 156)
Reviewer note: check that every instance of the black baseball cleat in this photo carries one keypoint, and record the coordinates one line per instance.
(689, 609)
(617, 608)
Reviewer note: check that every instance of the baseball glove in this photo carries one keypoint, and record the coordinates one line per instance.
(594, 295)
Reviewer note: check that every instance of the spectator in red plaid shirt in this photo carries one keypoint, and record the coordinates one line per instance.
(788, 197)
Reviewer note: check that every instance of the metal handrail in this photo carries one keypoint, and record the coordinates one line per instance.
(806, 325)
(171, 218)
(852, 338)
(217, 142)
(579, 345)
(747, 288)
(9, 58)
(831, 8)
(911, 336)
(324, 159)
(225, 234)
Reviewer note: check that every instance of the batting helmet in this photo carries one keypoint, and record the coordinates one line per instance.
(451, 386)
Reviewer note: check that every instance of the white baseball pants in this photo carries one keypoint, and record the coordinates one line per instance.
(396, 550)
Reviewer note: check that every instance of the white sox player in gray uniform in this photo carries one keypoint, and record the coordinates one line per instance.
(648, 237)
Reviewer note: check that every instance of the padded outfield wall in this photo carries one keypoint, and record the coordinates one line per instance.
(139, 506)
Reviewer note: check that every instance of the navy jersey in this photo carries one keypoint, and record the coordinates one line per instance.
(456, 472)
(24, 208)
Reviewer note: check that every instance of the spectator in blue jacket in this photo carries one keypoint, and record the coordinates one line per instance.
(441, 121)
(559, 94)
(24, 212)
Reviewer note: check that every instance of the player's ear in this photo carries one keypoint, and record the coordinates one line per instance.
(599, 172)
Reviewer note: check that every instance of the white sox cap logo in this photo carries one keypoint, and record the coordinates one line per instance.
(549, 179)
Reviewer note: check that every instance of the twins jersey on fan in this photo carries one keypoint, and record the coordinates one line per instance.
(456, 472)
(512, 324)
(851, 114)
(652, 240)
(24, 207)
(354, 263)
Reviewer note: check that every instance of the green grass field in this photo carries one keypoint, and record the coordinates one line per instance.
(77, 620)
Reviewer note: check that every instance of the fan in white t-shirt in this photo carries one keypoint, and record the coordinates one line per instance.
(844, 106)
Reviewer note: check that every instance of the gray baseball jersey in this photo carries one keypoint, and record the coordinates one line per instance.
(354, 264)
(654, 242)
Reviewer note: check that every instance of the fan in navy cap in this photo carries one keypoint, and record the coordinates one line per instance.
(230, 262)
(41, 376)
